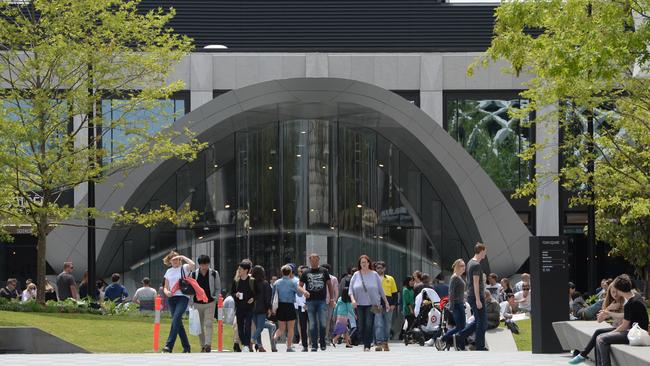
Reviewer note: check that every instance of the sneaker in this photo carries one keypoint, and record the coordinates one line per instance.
(236, 347)
(290, 349)
(305, 349)
(577, 359)
(385, 346)
(323, 348)
(378, 348)
(314, 349)
(208, 349)
(166, 350)
(186, 350)
(430, 342)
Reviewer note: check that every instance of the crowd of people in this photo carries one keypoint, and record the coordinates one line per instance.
(310, 307)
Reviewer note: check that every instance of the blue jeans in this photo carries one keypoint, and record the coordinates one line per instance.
(317, 313)
(366, 320)
(244, 322)
(478, 326)
(260, 324)
(382, 327)
(177, 307)
(458, 312)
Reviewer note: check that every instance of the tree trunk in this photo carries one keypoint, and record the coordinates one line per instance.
(40, 259)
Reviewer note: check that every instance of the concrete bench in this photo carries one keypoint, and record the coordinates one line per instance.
(574, 335)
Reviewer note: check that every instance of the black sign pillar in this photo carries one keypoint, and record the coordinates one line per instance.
(549, 277)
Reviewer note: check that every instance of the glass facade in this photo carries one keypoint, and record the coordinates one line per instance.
(151, 119)
(493, 138)
(279, 190)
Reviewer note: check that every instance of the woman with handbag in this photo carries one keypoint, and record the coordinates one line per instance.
(178, 292)
(367, 294)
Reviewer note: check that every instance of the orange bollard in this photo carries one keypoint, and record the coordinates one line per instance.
(156, 324)
(220, 324)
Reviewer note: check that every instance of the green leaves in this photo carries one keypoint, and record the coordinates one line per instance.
(59, 60)
(582, 54)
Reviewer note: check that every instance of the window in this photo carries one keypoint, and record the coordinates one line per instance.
(483, 126)
(116, 140)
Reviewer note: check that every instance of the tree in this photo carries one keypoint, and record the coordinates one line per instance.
(59, 59)
(587, 58)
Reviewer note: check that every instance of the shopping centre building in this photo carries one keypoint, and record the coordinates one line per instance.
(341, 128)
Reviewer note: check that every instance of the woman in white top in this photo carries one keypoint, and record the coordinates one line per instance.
(29, 293)
(177, 301)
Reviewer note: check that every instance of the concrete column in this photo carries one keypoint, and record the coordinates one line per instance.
(199, 98)
(548, 190)
(316, 65)
(431, 86)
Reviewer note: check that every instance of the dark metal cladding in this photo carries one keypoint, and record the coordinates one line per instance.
(333, 25)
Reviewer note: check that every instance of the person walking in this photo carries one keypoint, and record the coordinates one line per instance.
(476, 299)
(390, 289)
(210, 282)
(408, 301)
(66, 286)
(317, 282)
(331, 302)
(366, 292)
(243, 287)
(177, 300)
(262, 305)
(456, 304)
(286, 289)
(300, 305)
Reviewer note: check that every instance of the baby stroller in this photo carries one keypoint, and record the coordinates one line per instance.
(428, 323)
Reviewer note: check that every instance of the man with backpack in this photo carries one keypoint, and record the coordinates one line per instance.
(210, 282)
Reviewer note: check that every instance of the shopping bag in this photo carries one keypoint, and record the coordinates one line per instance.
(195, 322)
(275, 302)
(638, 336)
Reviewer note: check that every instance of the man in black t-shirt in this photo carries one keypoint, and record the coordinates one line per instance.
(634, 311)
(317, 281)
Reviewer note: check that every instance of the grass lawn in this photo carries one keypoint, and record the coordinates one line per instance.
(114, 334)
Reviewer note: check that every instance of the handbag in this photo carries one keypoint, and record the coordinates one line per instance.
(374, 308)
(275, 302)
(185, 287)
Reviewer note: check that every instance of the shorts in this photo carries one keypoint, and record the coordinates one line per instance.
(286, 312)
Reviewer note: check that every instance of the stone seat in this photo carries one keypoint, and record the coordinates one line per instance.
(574, 335)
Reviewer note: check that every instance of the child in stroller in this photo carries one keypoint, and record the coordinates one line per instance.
(428, 324)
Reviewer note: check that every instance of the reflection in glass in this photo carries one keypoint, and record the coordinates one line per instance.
(278, 191)
(492, 137)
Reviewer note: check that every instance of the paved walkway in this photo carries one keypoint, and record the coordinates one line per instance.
(399, 355)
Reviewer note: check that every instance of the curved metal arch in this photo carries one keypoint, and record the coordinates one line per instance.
(477, 207)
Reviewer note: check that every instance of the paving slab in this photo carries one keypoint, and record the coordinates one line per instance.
(399, 355)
